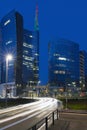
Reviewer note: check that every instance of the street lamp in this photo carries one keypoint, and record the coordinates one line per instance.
(31, 89)
(66, 97)
(8, 57)
(38, 87)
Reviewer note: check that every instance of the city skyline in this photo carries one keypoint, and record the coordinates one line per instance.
(60, 19)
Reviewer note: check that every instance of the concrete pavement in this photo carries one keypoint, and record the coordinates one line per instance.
(70, 121)
(68, 125)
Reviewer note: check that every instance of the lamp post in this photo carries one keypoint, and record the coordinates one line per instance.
(66, 97)
(38, 87)
(31, 89)
(67, 82)
(8, 57)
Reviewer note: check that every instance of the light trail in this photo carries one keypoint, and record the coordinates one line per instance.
(45, 105)
(26, 113)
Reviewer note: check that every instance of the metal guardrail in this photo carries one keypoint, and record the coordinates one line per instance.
(45, 121)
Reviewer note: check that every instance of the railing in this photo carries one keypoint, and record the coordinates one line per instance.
(46, 121)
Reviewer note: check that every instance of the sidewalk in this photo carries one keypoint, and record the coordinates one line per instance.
(59, 125)
(75, 111)
(70, 121)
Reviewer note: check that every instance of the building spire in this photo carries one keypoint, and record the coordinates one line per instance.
(36, 18)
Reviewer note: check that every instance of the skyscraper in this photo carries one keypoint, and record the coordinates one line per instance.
(63, 64)
(23, 45)
(36, 48)
(28, 58)
(12, 43)
(83, 70)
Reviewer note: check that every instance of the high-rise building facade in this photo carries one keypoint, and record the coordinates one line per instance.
(83, 70)
(85, 53)
(36, 48)
(28, 58)
(12, 43)
(36, 57)
(63, 64)
(23, 45)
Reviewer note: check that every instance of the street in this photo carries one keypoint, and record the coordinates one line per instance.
(25, 116)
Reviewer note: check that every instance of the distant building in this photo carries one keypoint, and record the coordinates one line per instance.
(23, 45)
(83, 70)
(63, 64)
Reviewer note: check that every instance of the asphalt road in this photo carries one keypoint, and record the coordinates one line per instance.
(70, 121)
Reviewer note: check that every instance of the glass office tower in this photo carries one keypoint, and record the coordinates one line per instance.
(12, 43)
(28, 56)
(23, 45)
(36, 48)
(36, 56)
(63, 64)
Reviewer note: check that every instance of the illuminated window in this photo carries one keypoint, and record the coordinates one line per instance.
(62, 58)
(30, 36)
(8, 21)
(8, 42)
(36, 54)
(65, 59)
(27, 45)
(25, 51)
(56, 72)
(59, 72)
(28, 58)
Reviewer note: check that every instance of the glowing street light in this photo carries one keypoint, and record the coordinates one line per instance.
(38, 87)
(8, 58)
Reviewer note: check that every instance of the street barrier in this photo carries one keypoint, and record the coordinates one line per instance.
(46, 121)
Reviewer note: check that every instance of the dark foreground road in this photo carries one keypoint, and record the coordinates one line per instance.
(70, 121)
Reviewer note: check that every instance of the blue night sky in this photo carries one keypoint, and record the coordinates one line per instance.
(57, 18)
